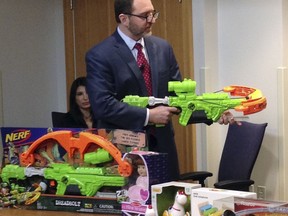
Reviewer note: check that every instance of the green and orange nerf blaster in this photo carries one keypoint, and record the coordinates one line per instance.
(240, 98)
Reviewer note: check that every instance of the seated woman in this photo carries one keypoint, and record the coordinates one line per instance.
(80, 114)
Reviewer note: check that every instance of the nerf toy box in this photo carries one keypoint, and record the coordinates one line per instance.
(246, 206)
(172, 198)
(66, 169)
(203, 199)
(149, 168)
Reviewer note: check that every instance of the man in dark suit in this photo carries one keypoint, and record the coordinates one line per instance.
(113, 73)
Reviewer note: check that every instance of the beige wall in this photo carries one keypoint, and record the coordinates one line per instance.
(245, 43)
(32, 61)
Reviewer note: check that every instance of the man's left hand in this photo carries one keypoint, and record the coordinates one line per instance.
(228, 118)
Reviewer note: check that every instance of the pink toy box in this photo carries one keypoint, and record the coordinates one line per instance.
(149, 168)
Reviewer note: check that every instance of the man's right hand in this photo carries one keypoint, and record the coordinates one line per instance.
(162, 114)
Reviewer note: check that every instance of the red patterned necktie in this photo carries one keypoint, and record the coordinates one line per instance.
(144, 67)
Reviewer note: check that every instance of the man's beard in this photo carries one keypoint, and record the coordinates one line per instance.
(148, 32)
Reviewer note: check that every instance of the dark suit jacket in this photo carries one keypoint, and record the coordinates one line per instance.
(112, 73)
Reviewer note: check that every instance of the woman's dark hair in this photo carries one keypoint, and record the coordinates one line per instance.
(73, 106)
(122, 7)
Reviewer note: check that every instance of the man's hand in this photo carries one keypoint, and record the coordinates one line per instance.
(162, 114)
(227, 118)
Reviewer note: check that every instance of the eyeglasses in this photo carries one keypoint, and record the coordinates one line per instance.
(152, 15)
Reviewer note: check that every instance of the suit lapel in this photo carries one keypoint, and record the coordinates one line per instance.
(125, 53)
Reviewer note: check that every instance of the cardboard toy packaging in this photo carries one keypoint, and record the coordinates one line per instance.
(248, 207)
(172, 198)
(149, 168)
(203, 199)
(66, 169)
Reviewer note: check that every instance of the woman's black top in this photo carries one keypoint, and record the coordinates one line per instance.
(66, 120)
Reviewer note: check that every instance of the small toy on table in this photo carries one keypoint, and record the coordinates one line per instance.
(178, 207)
(175, 194)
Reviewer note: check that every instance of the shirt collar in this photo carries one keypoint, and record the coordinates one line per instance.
(130, 42)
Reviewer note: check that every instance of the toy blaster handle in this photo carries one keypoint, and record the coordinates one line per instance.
(86, 188)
